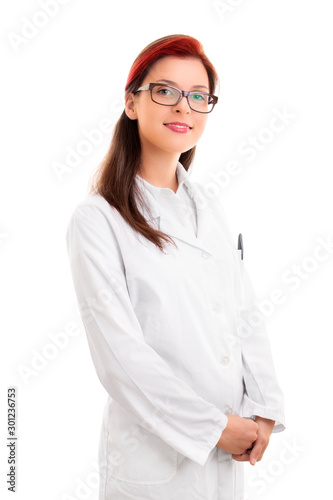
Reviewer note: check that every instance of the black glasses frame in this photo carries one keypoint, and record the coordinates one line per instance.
(150, 86)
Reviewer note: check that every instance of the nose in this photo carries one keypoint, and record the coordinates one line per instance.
(183, 105)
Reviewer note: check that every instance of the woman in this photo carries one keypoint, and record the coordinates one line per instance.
(163, 296)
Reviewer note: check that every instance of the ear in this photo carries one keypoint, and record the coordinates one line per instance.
(130, 108)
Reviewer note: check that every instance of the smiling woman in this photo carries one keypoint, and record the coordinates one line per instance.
(179, 61)
(189, 398)
(159, 126)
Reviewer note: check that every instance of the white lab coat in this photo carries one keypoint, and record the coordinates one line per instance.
(169, 345)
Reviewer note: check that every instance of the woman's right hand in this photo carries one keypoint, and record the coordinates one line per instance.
(239, 435)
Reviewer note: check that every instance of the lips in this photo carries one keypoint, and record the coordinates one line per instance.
(180, 127)
(179, 124)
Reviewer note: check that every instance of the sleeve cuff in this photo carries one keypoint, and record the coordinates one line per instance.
(252, 409)
(201, 456)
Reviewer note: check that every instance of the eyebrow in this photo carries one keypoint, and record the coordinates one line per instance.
(174, 83)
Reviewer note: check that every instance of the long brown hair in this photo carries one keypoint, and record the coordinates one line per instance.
(114, 178)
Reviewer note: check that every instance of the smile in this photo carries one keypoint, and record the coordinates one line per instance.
(182, 128)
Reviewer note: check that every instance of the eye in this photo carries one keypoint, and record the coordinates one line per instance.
(199, 97)
(163, 91)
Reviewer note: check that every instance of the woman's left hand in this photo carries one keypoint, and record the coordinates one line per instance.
(255, 454)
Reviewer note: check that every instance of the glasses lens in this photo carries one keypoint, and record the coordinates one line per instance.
(201, 102)
(162, 94)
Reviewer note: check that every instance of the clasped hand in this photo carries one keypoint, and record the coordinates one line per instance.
(246, 439)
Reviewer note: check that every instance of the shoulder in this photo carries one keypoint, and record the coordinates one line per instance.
(93, 208)
(92, 203)
(93, 219)
(92, 229)
(91, 236)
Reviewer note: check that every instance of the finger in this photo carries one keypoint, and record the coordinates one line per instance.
(256, 453)
(263, 448)
(244, 457)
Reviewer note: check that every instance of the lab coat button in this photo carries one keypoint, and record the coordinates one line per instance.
(225, 360)
(228, 411)
(205, 255)
(217, 308)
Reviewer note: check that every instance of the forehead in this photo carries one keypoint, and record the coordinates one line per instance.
(185, 72)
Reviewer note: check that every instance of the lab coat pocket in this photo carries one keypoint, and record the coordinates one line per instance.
(136, 455)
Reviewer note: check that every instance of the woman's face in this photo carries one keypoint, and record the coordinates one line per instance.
(186, 74)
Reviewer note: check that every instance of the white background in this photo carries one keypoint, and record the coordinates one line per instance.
(64, 80)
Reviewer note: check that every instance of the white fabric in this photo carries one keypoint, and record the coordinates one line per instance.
(167, 338)
(179, 205)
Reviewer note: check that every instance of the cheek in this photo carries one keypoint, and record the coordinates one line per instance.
(149, 126)
(149, 116)
(200, 127)
(145, 120)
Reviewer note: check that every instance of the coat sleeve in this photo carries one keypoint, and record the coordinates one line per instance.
(130, 370)
(263, 396)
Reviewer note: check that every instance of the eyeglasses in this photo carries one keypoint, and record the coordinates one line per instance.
(170, 96)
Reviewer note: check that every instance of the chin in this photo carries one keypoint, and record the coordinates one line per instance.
(183, 149)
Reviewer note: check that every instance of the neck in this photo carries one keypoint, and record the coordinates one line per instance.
(160, 170)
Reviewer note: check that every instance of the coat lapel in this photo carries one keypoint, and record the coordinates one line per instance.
(168, 225)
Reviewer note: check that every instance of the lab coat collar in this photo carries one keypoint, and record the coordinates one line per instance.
(157, 191)
(173, 228)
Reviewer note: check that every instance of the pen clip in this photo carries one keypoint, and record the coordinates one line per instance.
(240, 245)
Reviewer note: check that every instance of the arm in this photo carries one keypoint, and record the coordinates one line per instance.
(130, 370)
(263, 396)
